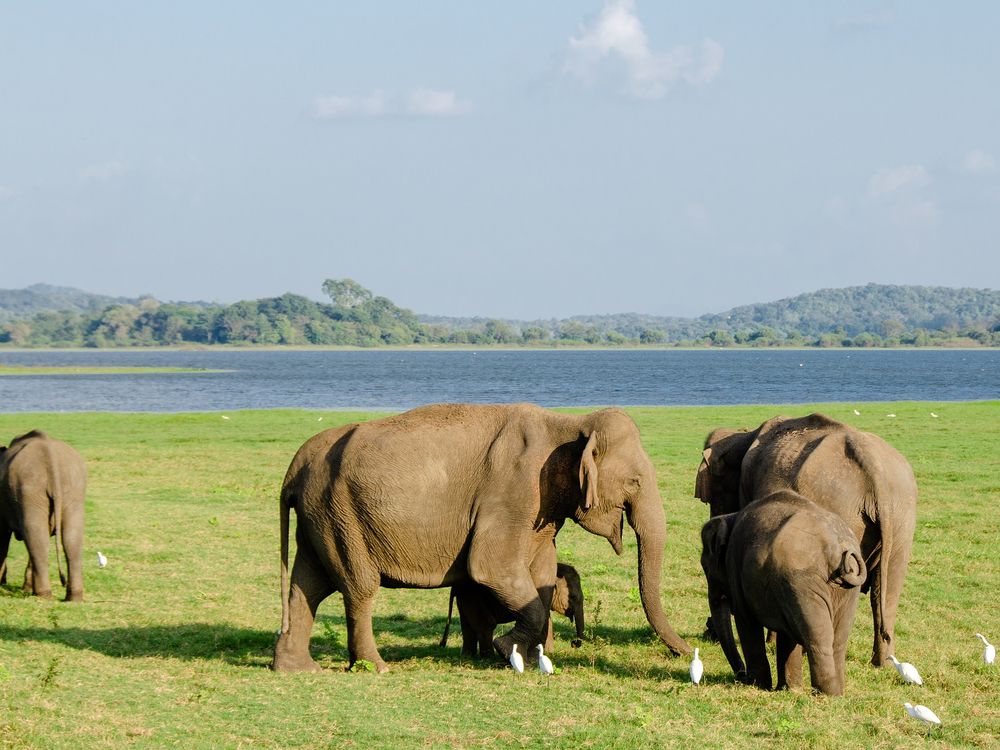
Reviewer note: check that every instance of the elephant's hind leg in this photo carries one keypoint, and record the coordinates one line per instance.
(36, 538)
(789, 658)
(310, 585)
(361, 646)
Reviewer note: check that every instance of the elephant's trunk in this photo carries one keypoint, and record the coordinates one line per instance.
(722, 624)
(647, 520)
(577, 615)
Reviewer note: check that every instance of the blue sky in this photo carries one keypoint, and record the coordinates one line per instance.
(515, 159)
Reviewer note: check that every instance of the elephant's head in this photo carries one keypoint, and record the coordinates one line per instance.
(617, 481)
(718, 481)
(714, 547)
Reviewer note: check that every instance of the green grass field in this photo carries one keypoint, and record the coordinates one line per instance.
(172, 645)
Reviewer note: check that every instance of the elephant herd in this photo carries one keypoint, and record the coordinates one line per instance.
(806, 513)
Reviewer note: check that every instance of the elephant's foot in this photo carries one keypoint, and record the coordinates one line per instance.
(74, 596)
(576, 642)
(44, 594)
(288, 659)
(356, 665)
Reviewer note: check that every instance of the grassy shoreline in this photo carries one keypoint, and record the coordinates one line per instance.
(73, 370)
(172, 644)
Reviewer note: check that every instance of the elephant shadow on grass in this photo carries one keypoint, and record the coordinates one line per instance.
(409, 638)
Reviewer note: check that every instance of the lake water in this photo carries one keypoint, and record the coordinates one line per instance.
(395, 380)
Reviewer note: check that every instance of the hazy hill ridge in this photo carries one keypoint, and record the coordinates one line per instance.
(871, 315)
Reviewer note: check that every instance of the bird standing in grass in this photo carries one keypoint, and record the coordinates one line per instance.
(924, 714)
(907, 671)
(544, 662)
(990, 652)
(516, 660)
(697, 669)
(101, 559)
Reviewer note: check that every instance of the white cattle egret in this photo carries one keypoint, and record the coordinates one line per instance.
(934, 415)
(320, 419)
(697, 668)
(891, 415)
(101, 560)
(907, 671)
(224, 416)
(924, 714)
(857, 413)
(990, 653)
(516, 660)
(544, 662)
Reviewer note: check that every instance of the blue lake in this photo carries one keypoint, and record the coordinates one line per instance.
(394, 380)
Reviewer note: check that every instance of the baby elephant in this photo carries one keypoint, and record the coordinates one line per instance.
(479, 612)
(785, 564)
(42, 487)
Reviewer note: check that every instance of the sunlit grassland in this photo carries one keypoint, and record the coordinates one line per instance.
(172, 645)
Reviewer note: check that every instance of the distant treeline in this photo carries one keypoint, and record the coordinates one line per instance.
(870, 316)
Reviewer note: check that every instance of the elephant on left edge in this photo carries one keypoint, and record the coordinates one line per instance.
(43, 482)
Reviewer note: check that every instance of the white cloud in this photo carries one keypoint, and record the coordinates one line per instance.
(104, 171)
(978, 162)
(420, 102)
(891, 180)
(336, 107)
(6, 192)
(431, 103)
(617, 35)
(900, 193)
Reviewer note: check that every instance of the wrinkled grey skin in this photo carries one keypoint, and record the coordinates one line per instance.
(449, 494)
(854, 474)
(42, 486)
(786, 564)
(479, 613)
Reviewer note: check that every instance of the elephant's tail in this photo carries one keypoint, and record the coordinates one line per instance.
(447, 624)
(283, 510)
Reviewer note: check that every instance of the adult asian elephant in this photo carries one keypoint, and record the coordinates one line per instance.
(42, 486)
(786, 564)
(854, 474)
(479, 612)
(452, 493)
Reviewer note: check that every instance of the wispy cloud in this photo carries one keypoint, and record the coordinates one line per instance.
(419, 102)
(891, 180)
(6, 192)
(978, 162)
(900, 192)
(617, 35)
(104, 171)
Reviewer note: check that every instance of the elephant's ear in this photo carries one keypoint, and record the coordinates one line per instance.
(588, 472)
(715, 535)
(703, 483)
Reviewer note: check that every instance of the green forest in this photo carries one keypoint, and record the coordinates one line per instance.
(866, 316)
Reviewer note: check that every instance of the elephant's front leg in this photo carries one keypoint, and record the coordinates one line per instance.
(503, 571)
(789, 658)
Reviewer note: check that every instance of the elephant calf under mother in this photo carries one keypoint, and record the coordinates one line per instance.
(449, 494)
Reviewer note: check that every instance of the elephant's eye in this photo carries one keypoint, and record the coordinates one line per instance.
(635, 482)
